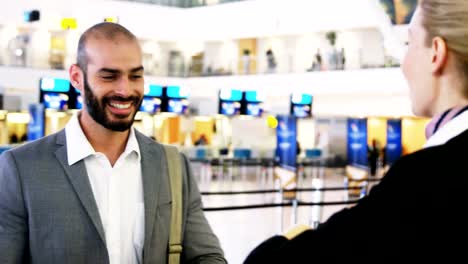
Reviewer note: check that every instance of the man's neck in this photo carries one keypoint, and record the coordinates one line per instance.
(110, 143)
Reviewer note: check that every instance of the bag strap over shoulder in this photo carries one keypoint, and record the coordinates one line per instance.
(175, 178)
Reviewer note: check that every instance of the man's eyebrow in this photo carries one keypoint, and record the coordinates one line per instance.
(116, 71)
(137, 69)
(108, 70)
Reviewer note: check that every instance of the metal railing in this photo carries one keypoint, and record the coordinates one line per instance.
(220, 179)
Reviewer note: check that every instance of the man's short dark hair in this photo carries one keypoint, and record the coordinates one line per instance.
(104, 30)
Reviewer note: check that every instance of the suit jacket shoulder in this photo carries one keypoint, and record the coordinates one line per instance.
(40, 146)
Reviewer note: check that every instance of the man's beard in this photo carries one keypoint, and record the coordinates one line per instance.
(97, 108)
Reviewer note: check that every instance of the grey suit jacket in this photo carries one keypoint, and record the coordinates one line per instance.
(48, 213)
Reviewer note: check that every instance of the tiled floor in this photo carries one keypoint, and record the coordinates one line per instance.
(241, 230)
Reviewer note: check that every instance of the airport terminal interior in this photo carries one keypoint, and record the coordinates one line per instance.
(288, 110)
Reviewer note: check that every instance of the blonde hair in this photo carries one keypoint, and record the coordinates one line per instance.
(448, 19)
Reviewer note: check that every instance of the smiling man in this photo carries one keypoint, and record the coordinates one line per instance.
(99, 191)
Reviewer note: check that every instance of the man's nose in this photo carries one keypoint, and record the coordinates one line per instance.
(123, 87)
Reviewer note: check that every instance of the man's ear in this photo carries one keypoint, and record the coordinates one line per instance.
(439, 55)
(76, 77)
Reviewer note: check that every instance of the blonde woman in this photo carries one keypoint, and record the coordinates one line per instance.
(418, 210)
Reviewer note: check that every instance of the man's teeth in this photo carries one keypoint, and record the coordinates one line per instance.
(120, 106)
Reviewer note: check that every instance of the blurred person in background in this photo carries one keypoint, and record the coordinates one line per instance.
(271, 61)
(416, 213)
(246, 59)
(373, 154)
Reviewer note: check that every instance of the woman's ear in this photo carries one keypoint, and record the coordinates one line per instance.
(439, 55)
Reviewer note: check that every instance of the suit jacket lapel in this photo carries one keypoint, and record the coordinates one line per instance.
(152, 170)
(79, 179)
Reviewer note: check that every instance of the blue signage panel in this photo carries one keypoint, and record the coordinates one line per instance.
(286, 132)
(36, 123)
(393, 149)
(357, 141)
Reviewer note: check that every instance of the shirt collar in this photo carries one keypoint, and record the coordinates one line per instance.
(450, 130)
(132, 144)
(79, 148)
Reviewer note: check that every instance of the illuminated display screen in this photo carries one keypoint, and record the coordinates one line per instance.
(302, 111)
(253, 96)
(177, 92)
(230, 102)
(151, 105)
(178, 106)
(58, 101)
(79, 99)
(31, 16)
(230, 108)
(254, 109)
(230, 95)
(301, 105)
(79, 102)
(54, 85)
(302, 99)
(153, 90)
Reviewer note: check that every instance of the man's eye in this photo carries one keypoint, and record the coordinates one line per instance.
(110, 77)
(136, 77)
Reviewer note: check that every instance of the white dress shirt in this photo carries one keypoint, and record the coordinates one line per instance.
(118, 192)
(448, 131)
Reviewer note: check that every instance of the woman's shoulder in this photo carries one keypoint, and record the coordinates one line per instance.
(434, 160)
